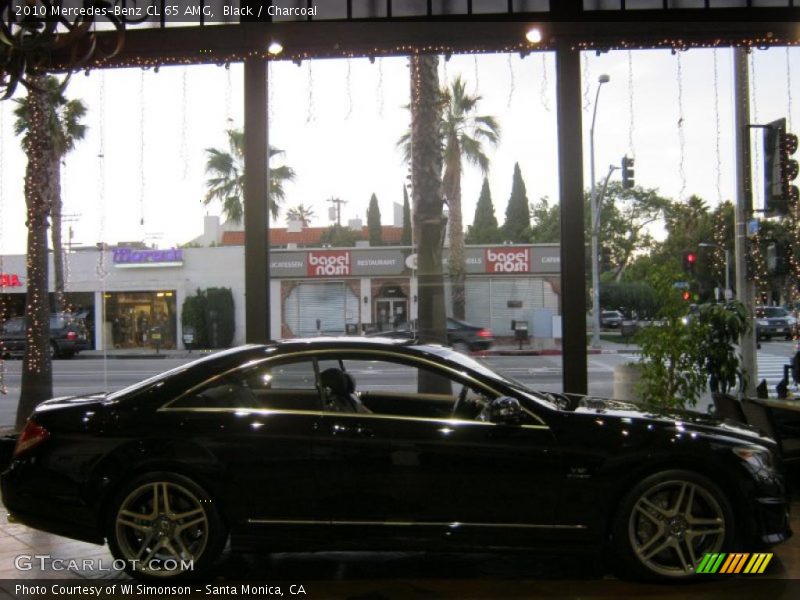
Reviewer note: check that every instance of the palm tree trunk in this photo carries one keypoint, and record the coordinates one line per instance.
(426, 178)
(37, 376)
(456, 265)
(426, 182)
(55, 236)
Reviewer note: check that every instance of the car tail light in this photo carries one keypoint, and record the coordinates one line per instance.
(72, 335)
(485, 333)
(33, 435)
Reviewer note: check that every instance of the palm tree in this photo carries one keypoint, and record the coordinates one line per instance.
(39, 146)
(226, 183)
(425, 151)
(301, 213)
(463, 134)
(64, 121)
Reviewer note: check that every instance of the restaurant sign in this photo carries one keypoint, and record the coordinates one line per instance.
(128, 258)
(10, 280)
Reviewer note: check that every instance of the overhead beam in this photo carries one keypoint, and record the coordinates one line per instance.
(332, 39)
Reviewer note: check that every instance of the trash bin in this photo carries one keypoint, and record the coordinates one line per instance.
(520, 329)
(628, 328)
(188, 338)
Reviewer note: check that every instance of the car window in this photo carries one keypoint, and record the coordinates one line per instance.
(14, 326)
(775, 312)
(270, 385)
(409, 389)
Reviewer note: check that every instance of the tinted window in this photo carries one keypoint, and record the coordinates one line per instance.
(392, 388)
(287, 385)
(775, 312)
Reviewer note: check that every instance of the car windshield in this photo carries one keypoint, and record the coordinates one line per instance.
(479, 367)
(775, 311)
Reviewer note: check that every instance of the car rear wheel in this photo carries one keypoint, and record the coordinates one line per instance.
(165, 527)
(53, 351)
(668, 523)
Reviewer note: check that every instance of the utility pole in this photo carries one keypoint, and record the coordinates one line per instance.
(744, 211)
(338, 203)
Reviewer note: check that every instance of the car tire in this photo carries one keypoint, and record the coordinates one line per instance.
(54, 353)
(179, 523)
(667, 523)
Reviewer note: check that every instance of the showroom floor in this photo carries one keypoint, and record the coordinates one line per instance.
(384, 576)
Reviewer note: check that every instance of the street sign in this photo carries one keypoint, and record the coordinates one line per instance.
(752, 227)
(681, 285)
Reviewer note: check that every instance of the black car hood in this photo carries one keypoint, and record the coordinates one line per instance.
(694, 421)
(70, 401)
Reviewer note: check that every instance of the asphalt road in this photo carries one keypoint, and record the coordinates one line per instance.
(86, 375)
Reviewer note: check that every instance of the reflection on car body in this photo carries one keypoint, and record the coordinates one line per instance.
(303, 445)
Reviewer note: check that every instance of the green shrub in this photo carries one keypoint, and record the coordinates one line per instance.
(193, 314)
(220, 319)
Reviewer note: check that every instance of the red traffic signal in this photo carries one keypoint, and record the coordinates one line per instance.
(689, 261)
(687, 295)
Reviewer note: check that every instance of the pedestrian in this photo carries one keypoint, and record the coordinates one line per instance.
(795, 366)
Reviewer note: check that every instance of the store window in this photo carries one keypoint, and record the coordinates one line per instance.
(141, 319)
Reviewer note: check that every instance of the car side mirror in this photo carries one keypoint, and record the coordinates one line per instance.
(506, 410)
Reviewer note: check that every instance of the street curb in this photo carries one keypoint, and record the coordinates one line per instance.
(548, 352)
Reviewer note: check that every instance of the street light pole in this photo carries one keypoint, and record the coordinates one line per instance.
(595, 228)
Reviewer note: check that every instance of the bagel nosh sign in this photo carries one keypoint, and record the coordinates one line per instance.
(508, 260)
(328, 263)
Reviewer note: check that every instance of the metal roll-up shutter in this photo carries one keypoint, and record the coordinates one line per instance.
(326, 301)
(477, 299)
(514, 298)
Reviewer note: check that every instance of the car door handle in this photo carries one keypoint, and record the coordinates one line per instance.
(351, 431)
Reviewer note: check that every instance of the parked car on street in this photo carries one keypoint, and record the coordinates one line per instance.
(612, 319)
(774, 321)
(461, 336)
(357, 444)
(68, 336)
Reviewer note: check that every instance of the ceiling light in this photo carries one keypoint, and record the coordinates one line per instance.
(275, 48)
(533, 35)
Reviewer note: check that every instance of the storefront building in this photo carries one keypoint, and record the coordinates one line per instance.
(127, 294)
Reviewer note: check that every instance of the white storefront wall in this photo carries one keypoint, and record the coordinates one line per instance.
(202, 268)
(492, 300)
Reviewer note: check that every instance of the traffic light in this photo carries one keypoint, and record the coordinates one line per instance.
(687, 295)
(689, 261)
(627, 172)
(777, 259)
(780, 169)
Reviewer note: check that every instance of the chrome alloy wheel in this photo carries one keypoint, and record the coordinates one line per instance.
(673, 525)
(161, 526)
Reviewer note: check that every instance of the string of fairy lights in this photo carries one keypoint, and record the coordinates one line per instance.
(631, 124)
(379, 91)
(719, 232)
(102, 269)
(3, 388)
(544, 86)
(511, 80)
(587, 99)
(681, 130)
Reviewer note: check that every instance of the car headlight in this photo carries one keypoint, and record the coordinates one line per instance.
(757, 457)
(762, 322)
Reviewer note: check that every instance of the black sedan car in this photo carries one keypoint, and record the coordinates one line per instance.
(302, 445)
(461, 336)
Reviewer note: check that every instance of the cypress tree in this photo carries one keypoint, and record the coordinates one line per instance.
(374, 222)
(484, 228)
(406, 238)
(518, 214)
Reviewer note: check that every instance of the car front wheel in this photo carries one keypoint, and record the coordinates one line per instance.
(667, 524)
(164, 527)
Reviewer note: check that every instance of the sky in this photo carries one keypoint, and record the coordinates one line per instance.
(139, 173)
